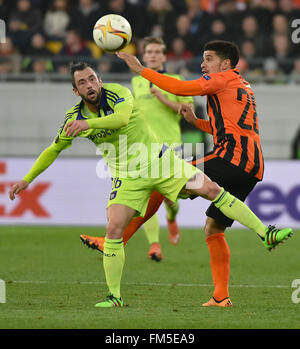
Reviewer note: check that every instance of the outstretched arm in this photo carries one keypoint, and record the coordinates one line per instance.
(206, 85)
(173, 85)
(45, 159)
(167, 83)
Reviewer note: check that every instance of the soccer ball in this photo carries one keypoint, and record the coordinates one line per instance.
(112, 33)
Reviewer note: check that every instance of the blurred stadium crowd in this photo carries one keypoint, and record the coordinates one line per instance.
(42, 36)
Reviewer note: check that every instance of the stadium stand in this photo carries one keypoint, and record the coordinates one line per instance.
(52, 32)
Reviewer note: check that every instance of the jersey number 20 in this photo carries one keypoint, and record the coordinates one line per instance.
(250, 101)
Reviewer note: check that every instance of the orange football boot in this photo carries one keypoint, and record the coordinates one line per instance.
(155, 252)
(226, 302)
(96, 243)
(174, 234)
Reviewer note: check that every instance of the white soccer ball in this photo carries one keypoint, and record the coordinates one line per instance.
(112, 33)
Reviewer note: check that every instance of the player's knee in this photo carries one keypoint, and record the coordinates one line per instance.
(211, 190)
(212, 227)
(114, 230)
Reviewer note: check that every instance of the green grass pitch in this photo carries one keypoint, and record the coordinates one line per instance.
(53, 282)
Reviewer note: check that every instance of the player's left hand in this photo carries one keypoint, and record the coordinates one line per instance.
(74, 127)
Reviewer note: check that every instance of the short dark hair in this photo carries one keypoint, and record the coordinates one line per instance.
(75, 66)
(225, 50)
(155, 40)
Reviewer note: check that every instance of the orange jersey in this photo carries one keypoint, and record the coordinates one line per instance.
(231, 109)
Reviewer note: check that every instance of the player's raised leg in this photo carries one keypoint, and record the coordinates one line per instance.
(113, 255)
(235, 209)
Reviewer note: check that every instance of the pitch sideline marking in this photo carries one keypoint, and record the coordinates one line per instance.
(138, 284)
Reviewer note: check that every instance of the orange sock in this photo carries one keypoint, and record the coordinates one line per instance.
(155, 201)
(220, 264)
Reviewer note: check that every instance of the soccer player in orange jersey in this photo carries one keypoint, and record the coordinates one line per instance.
(236, 161)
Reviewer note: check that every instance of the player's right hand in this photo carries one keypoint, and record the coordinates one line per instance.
(16, 188)
(132, 62)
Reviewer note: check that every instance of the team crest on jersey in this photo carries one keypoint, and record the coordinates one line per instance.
(206, 77)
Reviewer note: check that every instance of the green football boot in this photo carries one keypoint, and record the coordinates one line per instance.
(275, 236)
(110, 302)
